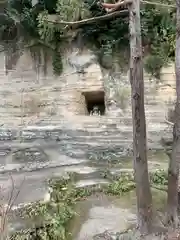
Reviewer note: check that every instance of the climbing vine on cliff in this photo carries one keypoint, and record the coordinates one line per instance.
(108, 37)
(57, 57)
(21, 31)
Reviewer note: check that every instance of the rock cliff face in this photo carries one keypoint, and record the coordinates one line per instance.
(30, 98)
(45, 121)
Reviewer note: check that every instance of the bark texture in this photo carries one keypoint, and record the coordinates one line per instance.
(144, 197)
(173, 172)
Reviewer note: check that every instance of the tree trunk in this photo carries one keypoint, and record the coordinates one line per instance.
(143, 192)
(173, 171)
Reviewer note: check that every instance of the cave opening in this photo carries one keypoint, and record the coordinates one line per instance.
(95, 102)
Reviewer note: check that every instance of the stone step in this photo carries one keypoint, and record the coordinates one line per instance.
(91, 182)
(118, 138)
(59, 133)
(122, 124)
(14, 145)
(35, 182)
(150, 112)
(99, 137)
(125, 129)
(110, 118)
(32, 185)
(153, 111)
(89, 124)
(73, 149)
(36, 185)
(122, 127)
(152, 167)
(122, 141)
(64, 125)
(121, 146)
(62, 161)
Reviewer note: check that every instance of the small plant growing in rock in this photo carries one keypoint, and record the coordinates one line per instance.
(125, 183)
(51, 218)
(159, 177)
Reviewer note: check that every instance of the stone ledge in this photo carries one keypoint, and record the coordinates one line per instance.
(58, 132)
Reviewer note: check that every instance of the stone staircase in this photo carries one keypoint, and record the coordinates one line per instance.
(82, 145)
(76, 136)
(94, 130)
(87, 173)
(52, 145)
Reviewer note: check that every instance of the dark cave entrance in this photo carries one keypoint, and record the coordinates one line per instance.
(95, 100)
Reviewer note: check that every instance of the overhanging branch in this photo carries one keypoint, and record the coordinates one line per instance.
(55, 19)
(111, 7)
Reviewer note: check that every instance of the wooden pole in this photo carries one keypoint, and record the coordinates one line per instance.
(143, 192)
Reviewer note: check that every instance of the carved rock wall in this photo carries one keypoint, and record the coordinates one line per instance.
(28, 97)
(44, 130)
(31, 98)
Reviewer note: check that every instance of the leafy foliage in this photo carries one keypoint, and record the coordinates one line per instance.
(50, 219)
(158, 34)
(71, 10)
(158, 31)
(46, 30)
(123, 184)
(30, 22)
(21, 28)
(159, 177)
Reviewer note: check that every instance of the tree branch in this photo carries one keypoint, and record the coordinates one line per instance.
(55, 19)
(115, 6)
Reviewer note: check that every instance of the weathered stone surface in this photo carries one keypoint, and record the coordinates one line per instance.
(29, 155)
(28, 98)
(130, 235)
(4, 151)
(45, 128)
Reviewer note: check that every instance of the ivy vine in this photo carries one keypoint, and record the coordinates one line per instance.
(57, 57)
